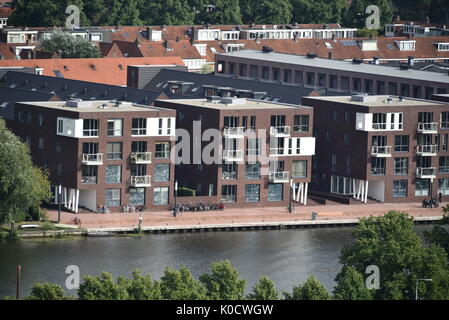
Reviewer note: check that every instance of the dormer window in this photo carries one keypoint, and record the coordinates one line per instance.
(406, 45)
(444, 46)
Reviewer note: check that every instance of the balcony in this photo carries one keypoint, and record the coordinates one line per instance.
(381, 151)
(89, 180)
(379, 126)
(141, 157)
(93, 159)
(427, 150)
(279, 177)
(428, 128)
(426, 173)
(140, 181)
(234, 132)
(276, 151)
(233, 155)
(283, 131)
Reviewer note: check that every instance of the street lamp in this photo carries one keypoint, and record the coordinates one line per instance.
(59, 202)
(416, 290)
(175, 209)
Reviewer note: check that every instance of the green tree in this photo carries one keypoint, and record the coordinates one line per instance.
(266, 11)
(180, 285)
(312, 289)
(390, 243)
(225, 12)
(223, 283)
(37, 13)
(264, 289)
(23, 187)
(439, 235)
(130, 14)
(70, 46)
(167, 12)
(141, 287)
(102, 288)
(351, 286)
(47, 291)
(321, 11)
(367, 33)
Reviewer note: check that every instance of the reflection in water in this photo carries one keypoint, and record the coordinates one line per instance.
(287, 257)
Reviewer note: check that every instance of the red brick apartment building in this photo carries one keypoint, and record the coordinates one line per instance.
(386, 148)
(101, 152)
(265, 154)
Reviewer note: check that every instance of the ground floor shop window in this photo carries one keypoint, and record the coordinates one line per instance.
(228, 193)
(252, 193)
(341, 185)
(422, 187)
(443, 186)
(275, 192)
(113, 174)
(137, 196)
(162, 172)
(161, 196)
(400, 189)
(112, 198)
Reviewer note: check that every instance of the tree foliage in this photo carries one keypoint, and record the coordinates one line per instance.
(264, 290)
(351, 286)
(69, 46)
(439, 235)
(312, 289)
(23, 187)
(102, 287)
(180, 285)
(224, 282)
(47, 291)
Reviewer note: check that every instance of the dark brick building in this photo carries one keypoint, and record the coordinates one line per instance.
(265, 147)
(102, 153)
(386, 148)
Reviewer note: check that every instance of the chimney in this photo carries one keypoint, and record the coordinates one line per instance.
(376, 60)
(411, 61)
(149, 33)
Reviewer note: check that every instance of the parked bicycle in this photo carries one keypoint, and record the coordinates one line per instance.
(432, 203)
(103, 210)
(195, 207)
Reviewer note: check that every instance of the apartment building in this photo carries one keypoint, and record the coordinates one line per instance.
(385, 148)
(264, 150)
(102, 153)
(310, 71)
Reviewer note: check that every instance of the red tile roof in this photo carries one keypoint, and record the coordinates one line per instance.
(5, 12)
(6, 51)
(111, 71)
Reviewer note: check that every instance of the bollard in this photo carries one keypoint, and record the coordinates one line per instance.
(314, 215)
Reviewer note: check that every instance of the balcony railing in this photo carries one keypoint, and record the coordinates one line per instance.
(234, 132)
(379, 126)
(428, 128)
(279, 177)
(444, 125)
(228, 198)
(93, 159)
(140, 181)
(276, 151)
(381, 151)
(233, 155)
(426, 173)
(427, 150)
(443, 169)
(301, 128)
(162, 154)
(282, 131)
(141, 157)
(89, 180)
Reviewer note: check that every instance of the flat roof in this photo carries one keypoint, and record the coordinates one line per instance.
(96, 106)
(340, 65)
(381, 101)
(241, 103)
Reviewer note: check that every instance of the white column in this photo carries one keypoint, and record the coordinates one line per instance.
(70, 199)
(305, 193)
(298, 193)
(359, 190)
(302, 193)
(77, 198)
(353, 188)
(366, 191)
(293, 186)
(363, 191)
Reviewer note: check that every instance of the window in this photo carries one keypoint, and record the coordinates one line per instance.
(379, 121)
(231, 122)
(228, 193)
(229, 171)
(443, 186)
(401, 166)
(378, 166)
(59, 169)
(41, 143)
(162, 150)
(89, 174)
(301, 123)
(347, 116)
(444, 120)
(113, 174)
(58, 147)
(346, 138)
(139, 127)
(253, 123)
(444, 165)
(341, 185)
(40, 119)
(400, 188)
(275, 192)
(90, 128)
(161, 196)
(299, 169)
(162, 172)
(115, 127)
(252, 192)
(252, 171)
(114, 151)
(137, 196)
(422, 187)
(60, 125)
(112, 198)
(401, 143)
(333, 162)
(253, 147)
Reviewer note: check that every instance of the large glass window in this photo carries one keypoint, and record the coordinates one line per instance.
(252, 171)
(162, 150)
(252, 192)
(401, 166)
(422, 187)
(90, 128)
(254, 147)
(229, 171)
(139, 127)
(160, 196)
(401, 143)
(378, 166)
(444, 120)
(299, 169)
(112, 198)
(443, 186)
(113, 174)
(301, 123)
(115, 127)
(137, 196)
(162, 172)
(400, 188)
(89, 174)
(341, 185)
(228, 193)
(444, 165)
(114, 151)
(275, 192)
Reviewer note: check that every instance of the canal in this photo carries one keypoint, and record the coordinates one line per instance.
(286, 256)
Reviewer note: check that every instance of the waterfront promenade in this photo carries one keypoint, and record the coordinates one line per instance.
(334, 212)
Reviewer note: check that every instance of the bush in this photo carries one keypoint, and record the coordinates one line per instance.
(47, 225)
(186, 192)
